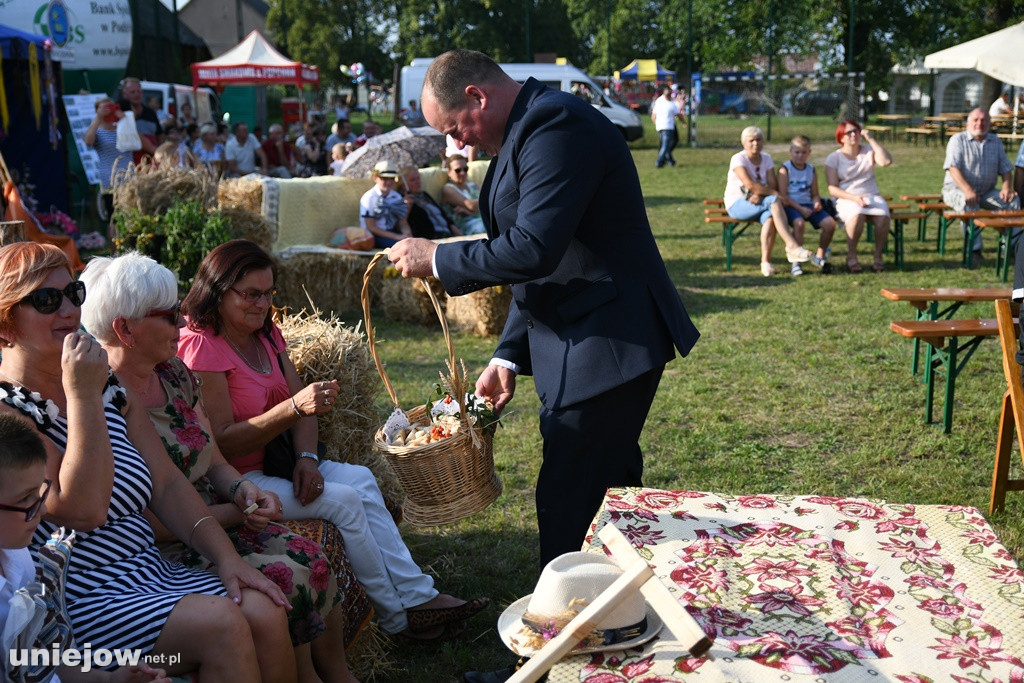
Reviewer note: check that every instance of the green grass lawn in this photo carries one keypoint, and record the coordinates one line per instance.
(797, 386)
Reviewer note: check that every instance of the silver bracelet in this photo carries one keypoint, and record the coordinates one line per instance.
(296, 408)
(195, 526)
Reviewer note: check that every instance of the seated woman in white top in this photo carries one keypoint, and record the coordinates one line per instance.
(751, 192)
(850, 171)
(462, 198)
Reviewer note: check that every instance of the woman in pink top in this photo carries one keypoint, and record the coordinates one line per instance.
(253, 393)
(850, 171)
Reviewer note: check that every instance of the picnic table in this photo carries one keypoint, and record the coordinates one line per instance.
(1006, 242)
(970, 220)
(933, 324)
(926, 204)
(820, 588)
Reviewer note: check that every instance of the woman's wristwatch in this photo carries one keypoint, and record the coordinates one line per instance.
(312, 456)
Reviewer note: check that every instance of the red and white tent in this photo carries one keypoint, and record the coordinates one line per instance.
(254, 61)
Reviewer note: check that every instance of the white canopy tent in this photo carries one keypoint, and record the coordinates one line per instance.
(997, 55)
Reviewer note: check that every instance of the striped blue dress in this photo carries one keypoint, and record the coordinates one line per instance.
(119, 590)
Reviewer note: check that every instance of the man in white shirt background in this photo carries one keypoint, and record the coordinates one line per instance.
(664, 113)
(242, 150)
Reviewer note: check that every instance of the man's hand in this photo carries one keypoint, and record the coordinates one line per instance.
(970, 197)
(496, 384)
(413, 257)
(1006, 193)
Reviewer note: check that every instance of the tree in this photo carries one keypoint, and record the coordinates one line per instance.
(331, 34)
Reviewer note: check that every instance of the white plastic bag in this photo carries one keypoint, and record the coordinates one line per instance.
(128, 139)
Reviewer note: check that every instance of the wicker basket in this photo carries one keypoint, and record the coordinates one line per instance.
(448, 479)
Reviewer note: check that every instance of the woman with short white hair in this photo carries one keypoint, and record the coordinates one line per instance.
(209, 150)
(135, 313)
(751, 192)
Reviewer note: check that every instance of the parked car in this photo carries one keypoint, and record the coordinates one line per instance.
(818, 102)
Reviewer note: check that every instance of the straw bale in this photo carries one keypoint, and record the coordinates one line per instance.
(249, 225)
(482, 313)
(154, 189)
(407, 299)
(240, 193)
(324, 349)
(333, 278)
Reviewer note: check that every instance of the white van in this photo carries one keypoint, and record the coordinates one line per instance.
(205, 105)
(564, 77)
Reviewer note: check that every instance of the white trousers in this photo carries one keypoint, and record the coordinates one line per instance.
(378, 555)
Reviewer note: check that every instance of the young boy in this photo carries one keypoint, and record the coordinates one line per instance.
(798, 190)
(23, 490)
(338, 155)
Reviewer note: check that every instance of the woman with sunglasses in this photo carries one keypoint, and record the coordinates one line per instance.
(462, 198)
(253, 393)
(850, 171)
(120, 593)
(134, 311)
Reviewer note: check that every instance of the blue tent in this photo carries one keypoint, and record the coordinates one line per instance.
(14, 44)
(644, 70)
(26, 145)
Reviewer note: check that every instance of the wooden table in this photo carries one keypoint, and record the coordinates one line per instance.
(938, 305)
(941, 121)
(1007, 239)
(806, 588)
(971, 232)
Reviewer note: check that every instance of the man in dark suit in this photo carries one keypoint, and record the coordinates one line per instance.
(594, 316)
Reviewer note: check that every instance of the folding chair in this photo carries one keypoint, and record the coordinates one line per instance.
(1012, 414)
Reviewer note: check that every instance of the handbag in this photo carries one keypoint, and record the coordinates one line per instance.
(128, 139)
(279, 457)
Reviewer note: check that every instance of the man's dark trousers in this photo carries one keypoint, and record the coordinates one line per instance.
(589, 447)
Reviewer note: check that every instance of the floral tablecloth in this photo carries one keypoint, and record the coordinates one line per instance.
(816, 588)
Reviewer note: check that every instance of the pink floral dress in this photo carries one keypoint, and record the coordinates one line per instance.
(295, 563)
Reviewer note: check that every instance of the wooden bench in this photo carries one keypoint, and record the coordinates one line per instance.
(883, 131)
(1007, 241)
(732, 228)
(945, 358)
(899, 220)
(1011, 417)
(927, 134)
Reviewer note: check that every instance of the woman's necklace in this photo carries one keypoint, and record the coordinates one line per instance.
(263, 369)
(19, 383)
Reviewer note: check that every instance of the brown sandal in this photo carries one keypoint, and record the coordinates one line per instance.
(854, 267)
(424, 619)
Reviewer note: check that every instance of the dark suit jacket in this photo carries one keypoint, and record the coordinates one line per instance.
(593, 306)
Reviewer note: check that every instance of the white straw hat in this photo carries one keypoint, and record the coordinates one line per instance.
(582, 577)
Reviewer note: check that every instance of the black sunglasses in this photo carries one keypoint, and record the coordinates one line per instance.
(48, 299)
(32, 510)
(173, 315)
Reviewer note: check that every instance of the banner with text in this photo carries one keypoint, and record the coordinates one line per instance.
(86, 34)
(81, 111)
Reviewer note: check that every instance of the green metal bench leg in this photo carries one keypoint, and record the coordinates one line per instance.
(970, 234)
(940, 240)
(869, 232)
(727, 238)
(897, 246)
(951, 373)
(929, 381)
(922, 229)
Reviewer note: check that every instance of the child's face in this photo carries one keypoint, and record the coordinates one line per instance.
(20, 487)
(338, 154)
(799, 155)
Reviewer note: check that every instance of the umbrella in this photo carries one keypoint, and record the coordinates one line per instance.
(996, 55)
(38, 619)
(403, 146)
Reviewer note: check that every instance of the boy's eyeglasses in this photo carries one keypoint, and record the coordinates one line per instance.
(32, 510)
(173, 315)
(253, 296)
(48, 299)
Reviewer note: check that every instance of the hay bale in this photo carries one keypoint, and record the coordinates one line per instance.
(154, 189)
(324, 349)
(482, 313)
(250, 226)
(240, 193)
(407, 299)
(333, 278)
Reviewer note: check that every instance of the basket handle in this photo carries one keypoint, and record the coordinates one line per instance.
(458, 384)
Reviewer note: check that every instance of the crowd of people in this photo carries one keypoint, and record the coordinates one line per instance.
(178, 544)
(978, 175)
